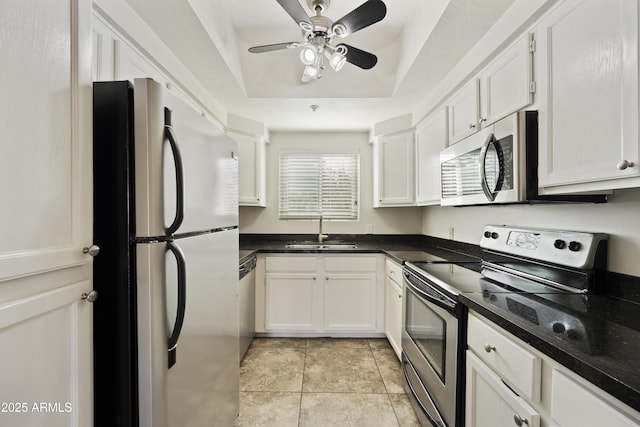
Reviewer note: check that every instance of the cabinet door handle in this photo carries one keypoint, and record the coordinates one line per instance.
(472, 126)
(520, 421)
(92, 250)
(623, 164)
(89, 296)
(482, 120)
(489, 348)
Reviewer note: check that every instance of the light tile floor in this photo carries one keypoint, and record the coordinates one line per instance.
(322, 382)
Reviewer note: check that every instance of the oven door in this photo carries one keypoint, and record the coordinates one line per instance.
(484, 168)
(430, 346)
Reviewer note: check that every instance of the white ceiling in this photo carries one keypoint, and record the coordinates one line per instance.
(417, 43)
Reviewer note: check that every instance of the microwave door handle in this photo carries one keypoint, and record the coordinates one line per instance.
(491, 196)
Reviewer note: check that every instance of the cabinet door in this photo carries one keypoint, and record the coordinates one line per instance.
(588, 88)
(290, 302)
(393, 315)
(506, 82)
(45, 160)
(251, 169)
(396, 158)
(431, 138)
(350, 302)
(464, 112)
(572, 405)
(490, 403)
(46, 359)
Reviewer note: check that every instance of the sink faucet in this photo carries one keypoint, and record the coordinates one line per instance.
(321, 236)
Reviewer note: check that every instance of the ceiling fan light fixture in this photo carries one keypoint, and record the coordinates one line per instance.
(337, 57)
(309, 55)
(310, 73)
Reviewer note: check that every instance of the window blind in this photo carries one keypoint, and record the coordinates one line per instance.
(314, 184)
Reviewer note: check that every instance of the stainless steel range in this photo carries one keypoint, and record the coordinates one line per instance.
(519, 265)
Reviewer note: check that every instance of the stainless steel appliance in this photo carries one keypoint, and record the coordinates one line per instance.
(433, 340)
(165, 218)
(247, 304)
(499, 164)
(520, 267)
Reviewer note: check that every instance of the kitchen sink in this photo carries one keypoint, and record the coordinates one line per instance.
(321, 246)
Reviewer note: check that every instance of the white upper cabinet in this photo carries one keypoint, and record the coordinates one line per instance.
(46, 213)
(464, 112)
(394, 169)
(503, 87)
(251, 169)
(588, 86)
(431, 138)
(506, 85)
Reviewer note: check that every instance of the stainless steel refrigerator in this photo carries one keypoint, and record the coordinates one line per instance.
(165, 218)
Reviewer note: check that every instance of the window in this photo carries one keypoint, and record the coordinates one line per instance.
(314, 184)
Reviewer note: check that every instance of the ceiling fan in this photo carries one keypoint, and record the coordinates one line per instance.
(319, 33)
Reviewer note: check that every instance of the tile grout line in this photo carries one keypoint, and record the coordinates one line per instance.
(304, 369)
(385, 386)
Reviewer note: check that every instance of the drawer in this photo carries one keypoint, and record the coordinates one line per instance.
(394, 271)
(572, 405)
(350, 263)
(289, 263)
(515, 364)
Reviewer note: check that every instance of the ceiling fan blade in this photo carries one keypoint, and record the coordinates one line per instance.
(359, 57)
(271, 47)
(295, 10)
(364, 15)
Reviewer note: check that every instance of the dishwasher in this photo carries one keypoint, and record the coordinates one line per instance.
(247, 304)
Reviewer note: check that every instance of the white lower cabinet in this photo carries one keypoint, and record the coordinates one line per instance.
(509, 383)
(393, 305)
(335, 294)
(46, 358)
(573, 405)
(490, 402)
(350, 302)
(290, 301)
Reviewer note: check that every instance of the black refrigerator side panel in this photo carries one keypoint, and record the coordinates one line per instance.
(115, 352)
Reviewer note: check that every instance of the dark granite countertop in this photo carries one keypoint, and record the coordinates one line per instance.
(608, 351)
(401, 248)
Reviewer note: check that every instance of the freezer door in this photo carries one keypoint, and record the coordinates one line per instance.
(203, 384)
(186, 167)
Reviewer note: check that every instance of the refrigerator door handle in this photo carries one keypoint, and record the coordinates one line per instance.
(182, 301)
(177, 160)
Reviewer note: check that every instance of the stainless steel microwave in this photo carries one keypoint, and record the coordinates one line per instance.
(499, 164)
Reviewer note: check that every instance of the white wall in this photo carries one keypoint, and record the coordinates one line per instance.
(383, 220)
(619, 217)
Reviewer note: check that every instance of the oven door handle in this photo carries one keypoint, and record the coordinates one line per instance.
(431, 294)
(425, 411)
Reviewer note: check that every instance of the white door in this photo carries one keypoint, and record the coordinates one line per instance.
(45, 168)
(290, 301)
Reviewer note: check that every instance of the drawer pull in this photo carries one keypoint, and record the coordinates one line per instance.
(520, 421)
(489, 348)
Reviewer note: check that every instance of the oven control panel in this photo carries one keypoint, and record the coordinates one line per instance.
(568, 248)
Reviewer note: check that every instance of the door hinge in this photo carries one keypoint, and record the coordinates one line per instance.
(532, 44)
(532, 87)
